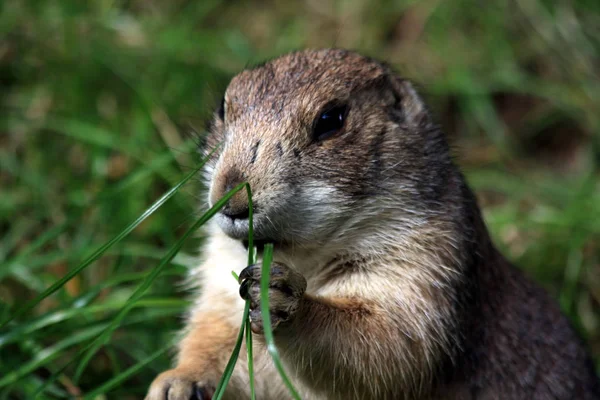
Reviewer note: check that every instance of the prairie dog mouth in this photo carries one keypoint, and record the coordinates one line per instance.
(239, 229)
(234, 228)
(258, 243)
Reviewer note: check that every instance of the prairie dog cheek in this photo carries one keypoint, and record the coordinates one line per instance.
(314, 210)
(316, 197)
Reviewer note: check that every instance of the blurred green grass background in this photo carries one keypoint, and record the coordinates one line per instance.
(102, 102)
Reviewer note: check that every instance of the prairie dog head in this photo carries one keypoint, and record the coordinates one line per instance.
(332, 143)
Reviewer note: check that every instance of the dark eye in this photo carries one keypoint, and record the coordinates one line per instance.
(330, 122)
(221, 110)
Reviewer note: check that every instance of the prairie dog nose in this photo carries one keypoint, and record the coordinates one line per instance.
(237, 206)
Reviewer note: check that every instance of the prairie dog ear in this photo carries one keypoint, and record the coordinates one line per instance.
(409, 104)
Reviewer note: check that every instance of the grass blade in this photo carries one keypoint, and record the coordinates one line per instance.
(266, 316)
(145, 285)
(251, 260)
(250, 358)
(38, 243)
(125, 374)
(220, 391)
(98, 253)
(251, 249)
(50, 353)
(44, 357)
(60, 316)
(225, 378)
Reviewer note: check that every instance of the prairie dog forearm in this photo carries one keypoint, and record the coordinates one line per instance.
(201, 359)
(208, 341)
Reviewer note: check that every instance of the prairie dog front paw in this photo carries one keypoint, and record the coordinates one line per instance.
(179, 384)
(286, 290)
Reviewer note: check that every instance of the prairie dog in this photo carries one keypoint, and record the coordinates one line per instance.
(385, 283)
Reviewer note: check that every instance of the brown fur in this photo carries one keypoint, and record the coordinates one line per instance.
(202, 352)
(386, 284)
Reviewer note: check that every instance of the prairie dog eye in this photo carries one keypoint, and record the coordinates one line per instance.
(330, 122)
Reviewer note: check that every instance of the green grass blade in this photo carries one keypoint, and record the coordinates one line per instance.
(33, 247)
(250, 357)
(130, 321)
(98, 253)
(251, 249)
(50, 353)
(220, 391)
(152, 167)
(145, 285)
(266, 316)
(251, 260)
(44, 357)
(125, 374)
(60, 316)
